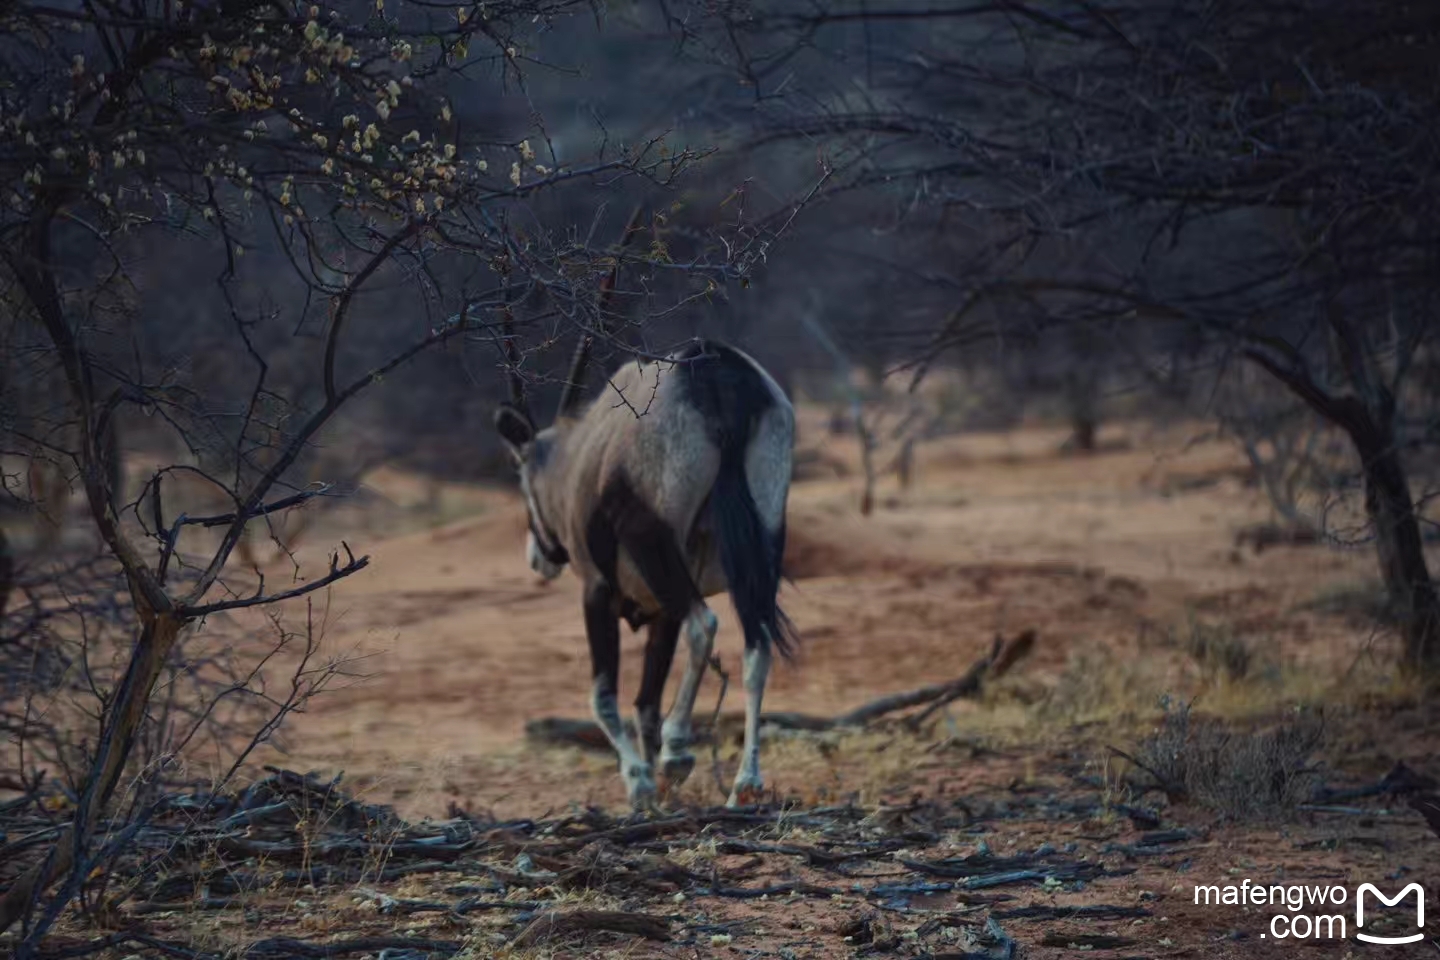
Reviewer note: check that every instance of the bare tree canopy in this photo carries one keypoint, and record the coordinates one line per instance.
(1193, 184)
(223, 223)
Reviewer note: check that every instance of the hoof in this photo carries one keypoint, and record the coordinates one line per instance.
(640, 787)
(676, 769)
(747, 793)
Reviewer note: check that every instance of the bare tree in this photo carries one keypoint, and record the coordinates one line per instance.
(1256, 181)
(315, 169)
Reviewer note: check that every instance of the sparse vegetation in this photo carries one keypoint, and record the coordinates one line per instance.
(1240, 774)
(997, 786)
(1102, 686)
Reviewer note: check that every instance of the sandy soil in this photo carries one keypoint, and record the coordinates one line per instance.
(1110, 558)
(1103, 556)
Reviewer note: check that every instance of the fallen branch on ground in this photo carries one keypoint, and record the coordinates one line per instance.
(1094, 911)
(558, 923)
(287, 947)
(1003, 655)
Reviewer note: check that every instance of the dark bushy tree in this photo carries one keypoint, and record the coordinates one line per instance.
(1249, 181)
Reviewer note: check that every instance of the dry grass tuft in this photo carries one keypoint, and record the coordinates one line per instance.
(1240, 774)
(1103, 686)
(1219, 651)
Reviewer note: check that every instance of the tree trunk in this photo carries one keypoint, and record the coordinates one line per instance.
(112, 463)
(1083, 432)
(1369, 420)
(905, 463)
(1082, 389)
(152, 649)
(1388, 505)
(7, 572)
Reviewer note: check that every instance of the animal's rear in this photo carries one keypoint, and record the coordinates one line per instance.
(753, 425)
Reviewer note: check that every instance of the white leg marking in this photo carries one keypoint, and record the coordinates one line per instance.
(639, 780)
(676, 760)
(749, 787)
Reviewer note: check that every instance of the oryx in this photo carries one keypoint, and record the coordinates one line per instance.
(668, 488)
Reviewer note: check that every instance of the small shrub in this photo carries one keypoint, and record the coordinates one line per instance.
(1240, 774)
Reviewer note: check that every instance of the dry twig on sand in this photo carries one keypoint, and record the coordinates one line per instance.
(1002, 657)
(556, 923)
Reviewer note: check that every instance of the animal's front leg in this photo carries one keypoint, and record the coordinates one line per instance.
(603, 629)
(676, 760)
(749, 785)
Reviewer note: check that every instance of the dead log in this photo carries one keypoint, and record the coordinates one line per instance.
(1002, 657)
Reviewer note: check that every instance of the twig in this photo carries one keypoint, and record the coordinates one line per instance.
(813, 855)
(636, 832)
(352, 566)
(1342, 811)
(774, 890)
(557, 923)
(1007, 943)
(1093, 911)
(225, 519)
(1002, 657)
(287, 947)
(1173, 791)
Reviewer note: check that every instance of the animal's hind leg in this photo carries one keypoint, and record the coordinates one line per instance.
(676, 760)
(659, 654)
(603, 629)
(655, 550)
(749, 785)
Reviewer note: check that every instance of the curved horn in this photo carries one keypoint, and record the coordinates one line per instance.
(574, 382)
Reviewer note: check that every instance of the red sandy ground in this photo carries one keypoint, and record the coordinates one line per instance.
(1106, 557)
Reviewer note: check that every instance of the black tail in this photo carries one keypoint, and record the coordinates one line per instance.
(731, 395)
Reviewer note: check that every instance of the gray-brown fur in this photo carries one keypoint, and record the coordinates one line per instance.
(676, 473)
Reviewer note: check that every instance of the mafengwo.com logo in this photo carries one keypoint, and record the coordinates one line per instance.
(1324, 913)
